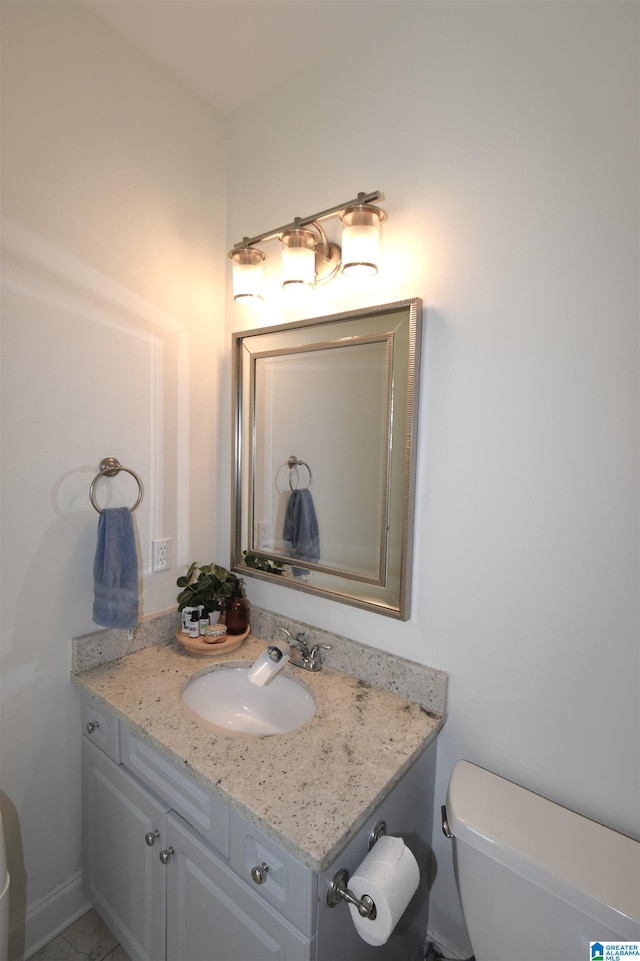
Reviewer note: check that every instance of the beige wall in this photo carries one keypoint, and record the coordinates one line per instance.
(113, 273)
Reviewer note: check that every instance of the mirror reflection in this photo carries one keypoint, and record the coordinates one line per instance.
(324, 454)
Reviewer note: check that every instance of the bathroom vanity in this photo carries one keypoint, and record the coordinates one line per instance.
(199, 845)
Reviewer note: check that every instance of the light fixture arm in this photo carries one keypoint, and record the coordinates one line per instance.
(362, 198)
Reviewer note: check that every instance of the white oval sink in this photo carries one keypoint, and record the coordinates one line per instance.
(227, 701)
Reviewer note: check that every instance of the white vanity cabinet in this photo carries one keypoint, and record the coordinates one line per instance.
(177, 873)
(123, 875)
(212, 915)
(163, 889)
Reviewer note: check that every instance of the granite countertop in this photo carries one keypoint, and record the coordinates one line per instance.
(309, 790)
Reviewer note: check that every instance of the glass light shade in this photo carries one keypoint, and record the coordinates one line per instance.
(361, 240)
(248, 280)
(298, 258)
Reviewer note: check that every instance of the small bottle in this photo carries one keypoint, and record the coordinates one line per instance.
(186, 618)
(237, 610)
(194, 623)
(204, 620)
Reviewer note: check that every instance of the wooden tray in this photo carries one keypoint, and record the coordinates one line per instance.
(220, 645)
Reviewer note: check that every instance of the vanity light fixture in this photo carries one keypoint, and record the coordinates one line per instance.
(247, 273)
(308, 258)
(361, 239)
(298, 257)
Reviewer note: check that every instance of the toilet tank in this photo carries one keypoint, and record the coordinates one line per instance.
(537, 882)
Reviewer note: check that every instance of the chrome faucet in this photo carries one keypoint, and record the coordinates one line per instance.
(309, 659)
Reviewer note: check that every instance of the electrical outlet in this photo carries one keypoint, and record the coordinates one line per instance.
(161, 555)
(264, 534)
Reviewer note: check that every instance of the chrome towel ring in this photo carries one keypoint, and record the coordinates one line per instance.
(109, 467)
(293, 463)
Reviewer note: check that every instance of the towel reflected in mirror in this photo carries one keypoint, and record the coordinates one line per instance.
(301, 528)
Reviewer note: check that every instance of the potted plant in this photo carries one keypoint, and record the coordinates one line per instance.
(206, 585)
(262, 564)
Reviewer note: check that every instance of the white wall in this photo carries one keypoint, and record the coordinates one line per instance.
(113, 272)
(505, 139)
(349, 391)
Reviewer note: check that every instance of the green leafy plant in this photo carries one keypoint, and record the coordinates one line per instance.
(262, 564)
(209, 585)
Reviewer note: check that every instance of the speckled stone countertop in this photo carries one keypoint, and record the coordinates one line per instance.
(341, 764)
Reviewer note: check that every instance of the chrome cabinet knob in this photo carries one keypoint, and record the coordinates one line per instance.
(259, 873)
(166, 854)
(151, 836)
(91, 726)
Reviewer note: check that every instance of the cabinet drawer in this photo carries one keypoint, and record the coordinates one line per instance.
(207, 814)
(100, 726)
(288, 884)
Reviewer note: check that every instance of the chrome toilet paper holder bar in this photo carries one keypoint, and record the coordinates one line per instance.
(338, 890)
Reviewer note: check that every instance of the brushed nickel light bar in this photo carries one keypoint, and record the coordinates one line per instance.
(308, 258)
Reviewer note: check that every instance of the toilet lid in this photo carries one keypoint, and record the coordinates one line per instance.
(577, 860)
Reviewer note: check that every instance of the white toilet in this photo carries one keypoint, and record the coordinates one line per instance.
(4, 899)
(537, 882)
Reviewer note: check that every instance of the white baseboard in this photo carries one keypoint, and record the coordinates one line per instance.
(447, 949)
(49, 917)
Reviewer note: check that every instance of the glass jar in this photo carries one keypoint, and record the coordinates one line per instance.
(237, 611)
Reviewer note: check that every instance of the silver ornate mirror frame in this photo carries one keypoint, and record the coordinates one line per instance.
(329, 403)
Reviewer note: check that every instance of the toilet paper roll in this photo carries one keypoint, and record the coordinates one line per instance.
(390, 876)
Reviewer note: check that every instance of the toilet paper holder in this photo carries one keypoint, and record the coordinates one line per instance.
(338, 890)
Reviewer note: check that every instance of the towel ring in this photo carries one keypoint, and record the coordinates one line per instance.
(109, 467)
(293, 464)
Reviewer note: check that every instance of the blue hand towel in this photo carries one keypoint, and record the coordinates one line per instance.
(115, 571)
(301, 526)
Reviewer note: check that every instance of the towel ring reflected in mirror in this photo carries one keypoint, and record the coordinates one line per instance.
(347, 386)
(110, 467)
(293, 463)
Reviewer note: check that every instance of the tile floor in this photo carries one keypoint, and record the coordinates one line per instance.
(87, 939)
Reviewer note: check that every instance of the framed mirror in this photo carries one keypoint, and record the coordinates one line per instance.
(325, 418)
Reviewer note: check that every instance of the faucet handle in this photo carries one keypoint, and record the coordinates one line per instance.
(314, 659)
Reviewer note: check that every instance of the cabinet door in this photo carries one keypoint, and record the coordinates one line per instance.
(123, 875)
(213, 916)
